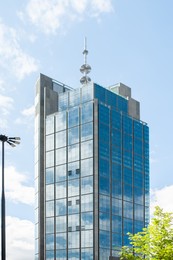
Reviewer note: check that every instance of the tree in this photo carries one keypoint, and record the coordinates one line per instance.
(154, 242)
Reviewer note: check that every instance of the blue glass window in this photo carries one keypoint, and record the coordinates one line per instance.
(87, 254)
(87, 112)
(104, 185)
(139, 212)
(73, 242)
(61, 254)
(49, 208)
(117, 189)
(60, 190)
(61, 241)
(63, 101)
(138, 226)
(49, 142)
(50, 192)
(50, 159)
(104, 168)
(73, 152)
(73, 135)
(117, 155)
(117, 224)
(87, 167)
(60, 207)
(60, 121)
(111, 99)
(128, 209)
(138, 146)
(122, 104)
(127, 159)
(73, 187)
(49, 241)
(73, 170)
(61, 173)
(86, 131)
(104, 114)
(127, 142)
(50, 255)
(61, 139)
(104, 221)
(128, 175)
(61, 224)
(127, 125)
(104, 239)
(116, 241)
(61, 156)
(87, 149)
(116, 137)
(87, 202)
(138, 195)
(116, 119)
(116, 171)
(104, 149)
(73, 117)
(49, 125)
(86, 238)
(100, 93)
(116, 207)
(49, 225)
(87, 220)
(128, 225)
(127, 195)
(87, 185)
(49, 175)
(74, 97)
(104, 132)
(138, 129)
(104, 203)
(87, 93)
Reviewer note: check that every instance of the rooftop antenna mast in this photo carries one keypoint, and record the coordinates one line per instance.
(85, 68)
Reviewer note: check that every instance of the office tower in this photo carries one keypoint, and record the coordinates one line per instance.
(92, 169)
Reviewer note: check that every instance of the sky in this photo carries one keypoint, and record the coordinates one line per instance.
(128, 41)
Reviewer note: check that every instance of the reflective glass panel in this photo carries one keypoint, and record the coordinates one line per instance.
(87, 167)
(73, 153)
(49, 175)
(49, 142)
(49, 125)
(50, 192)
(86, 131)
(87, 185)
(49, 241)
(61, 173)
(61, 156)
(60, 207)
(50, 208)
(61, 139)
(60, 121)
(73, 135)
(87, 238)
(61, 224)
(87, 112)
(73, 187)
(73, 117)
(86, 149)
(60, 190)
(49, 159)
(87, 220)
(49, 225)
(61, 241)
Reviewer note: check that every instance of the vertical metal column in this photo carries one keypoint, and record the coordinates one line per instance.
(3, 238)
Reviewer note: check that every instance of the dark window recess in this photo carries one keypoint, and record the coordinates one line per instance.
(69, 173)
(69, 229)
(69, 203)
(77, 228)
(77, 202)
(77, 171)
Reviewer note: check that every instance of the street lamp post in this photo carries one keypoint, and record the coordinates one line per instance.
(11, 141)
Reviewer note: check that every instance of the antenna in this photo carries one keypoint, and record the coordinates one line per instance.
(85, 68)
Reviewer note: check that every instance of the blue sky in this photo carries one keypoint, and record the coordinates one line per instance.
(128, 41)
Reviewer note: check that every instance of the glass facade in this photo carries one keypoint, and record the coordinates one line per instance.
(96, 160)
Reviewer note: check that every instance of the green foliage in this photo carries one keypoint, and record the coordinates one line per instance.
(154, 242)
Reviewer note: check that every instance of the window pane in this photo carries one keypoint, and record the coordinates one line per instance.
(87, 112)
(49, 142)
(60, 156)
(87, 167)
(60, 121)
(73, 153)
(87, 149)
(60, 190)
(73, 135)
(87, 131)
(73, 117)
(61, 173)
(87, 185)
(60, 139)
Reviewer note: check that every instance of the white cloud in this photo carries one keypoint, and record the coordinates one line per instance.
(12, 57)
(163, 198)
(17, 189)
(20, 239)
(49, 16)
(28, 111)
